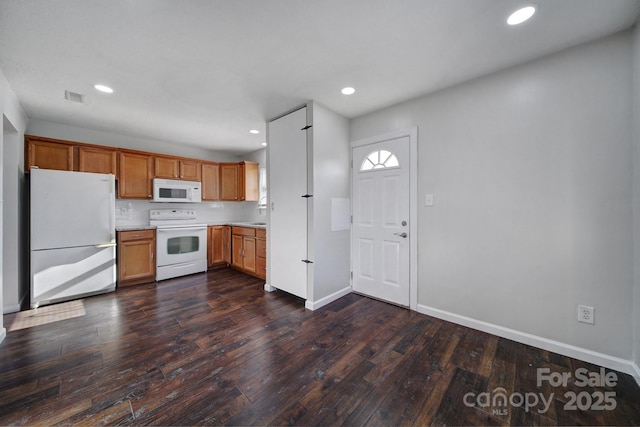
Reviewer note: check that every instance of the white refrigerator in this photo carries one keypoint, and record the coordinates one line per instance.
(73, 239)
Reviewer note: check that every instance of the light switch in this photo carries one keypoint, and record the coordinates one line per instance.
(428, 200)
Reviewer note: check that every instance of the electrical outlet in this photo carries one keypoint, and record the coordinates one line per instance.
(586, 314)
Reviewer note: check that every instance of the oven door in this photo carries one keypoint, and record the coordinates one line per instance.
(180, 244)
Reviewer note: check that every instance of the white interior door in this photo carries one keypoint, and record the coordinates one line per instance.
(381, 214)
(287, 169)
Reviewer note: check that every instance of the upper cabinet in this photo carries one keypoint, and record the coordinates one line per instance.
(167, 167)
(190, 170)
(249, 187)
(210, 181)
(97, 160)
(239, 181)
(136, 176)
(48, 154)
(135, 170)
(174, 168)
(229, 181)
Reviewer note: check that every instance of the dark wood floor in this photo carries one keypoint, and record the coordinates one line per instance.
(216, 349)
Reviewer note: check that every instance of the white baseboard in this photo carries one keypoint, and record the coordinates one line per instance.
(314, 305)
(13, 308)
(601, 359)
(3, 334)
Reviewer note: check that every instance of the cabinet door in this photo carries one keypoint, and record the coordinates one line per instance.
(136, 262)
(248, 186)
(249, 252)
(261, 248)
(229, 181)
(49, 155)
(210, 181)
(226, 249)
(135, 179)
(261, 267)
(209, 246)
(96, 160)
(136, 257)
(216, 245)
(166, 167)
(236, 246)
(190, 170)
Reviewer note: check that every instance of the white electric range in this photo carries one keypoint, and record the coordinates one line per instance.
(181, 242)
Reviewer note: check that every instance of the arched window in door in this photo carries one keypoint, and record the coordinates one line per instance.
(379, 159)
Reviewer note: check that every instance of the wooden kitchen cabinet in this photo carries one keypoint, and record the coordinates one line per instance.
(135, 170)
(248, 181)
(190, 170)
(210, 181)
(47, 154)
(136, 257)
(97, 160)
(219, 247)
(261, 253)
(136, 176)
(243, 244)
(166, 167)
(175, 168)
(239, 181)
(229, 181)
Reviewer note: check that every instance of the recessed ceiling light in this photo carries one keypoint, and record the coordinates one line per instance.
(254, 131)
(103, 88)
(348, 91)
(521, 15)
(264, 144)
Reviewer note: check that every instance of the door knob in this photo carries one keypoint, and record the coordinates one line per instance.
(403, 235)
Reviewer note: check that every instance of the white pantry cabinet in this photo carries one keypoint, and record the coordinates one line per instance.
(308, 155)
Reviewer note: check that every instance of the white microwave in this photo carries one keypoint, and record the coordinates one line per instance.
(172, 190)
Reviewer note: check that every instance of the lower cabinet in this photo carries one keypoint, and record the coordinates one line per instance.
(219, 246)
(249, 250)
(136, 257)
(243, 242)
(261, 253)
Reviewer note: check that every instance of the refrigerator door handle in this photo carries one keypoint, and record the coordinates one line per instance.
(106, 245)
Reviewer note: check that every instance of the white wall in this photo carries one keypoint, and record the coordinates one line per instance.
(89, 136)
(13, 219)
(532, 176)
(636, 199)
(331, 178)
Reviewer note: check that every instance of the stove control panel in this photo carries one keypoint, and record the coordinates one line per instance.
(172, 214)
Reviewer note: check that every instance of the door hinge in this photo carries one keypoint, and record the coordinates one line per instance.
(351, 219)
(352, 275)
(307, 127)
(306, 261)
(306, 196)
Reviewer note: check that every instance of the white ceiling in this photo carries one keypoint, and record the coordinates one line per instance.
(205, 72)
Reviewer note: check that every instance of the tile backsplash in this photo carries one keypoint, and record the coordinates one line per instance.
(136, 212)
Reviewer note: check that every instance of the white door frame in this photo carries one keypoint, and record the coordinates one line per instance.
(412, 133)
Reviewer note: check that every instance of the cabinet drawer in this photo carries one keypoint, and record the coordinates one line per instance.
(243, 231)
(261, 248)
(261, 233)
(131, 235)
